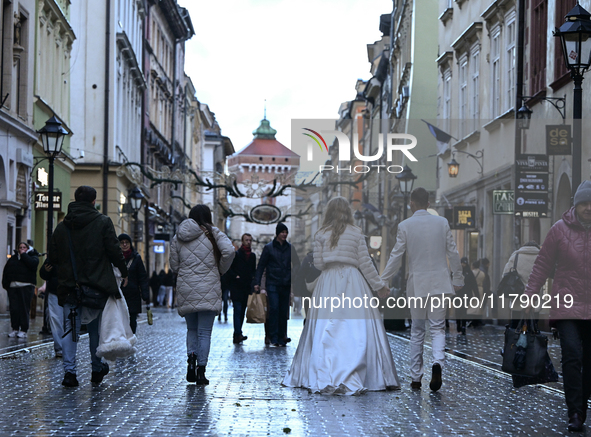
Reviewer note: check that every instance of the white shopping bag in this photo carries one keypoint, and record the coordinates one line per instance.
(116, 338)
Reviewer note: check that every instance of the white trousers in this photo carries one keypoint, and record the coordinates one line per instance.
(56, 320)
(436, 320)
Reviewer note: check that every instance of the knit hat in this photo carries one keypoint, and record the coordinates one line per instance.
(280, 228)
(122, 237)
(583, 193)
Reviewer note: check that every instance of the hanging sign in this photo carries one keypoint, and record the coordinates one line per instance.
(42, 201)
(503, 201)
(464, 217)
(558, 139)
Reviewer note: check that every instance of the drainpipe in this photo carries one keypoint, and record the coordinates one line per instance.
(106, 115)
(518, 102)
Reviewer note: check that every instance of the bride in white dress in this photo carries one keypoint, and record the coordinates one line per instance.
(343, 350)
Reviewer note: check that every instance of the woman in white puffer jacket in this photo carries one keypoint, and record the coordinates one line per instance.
(199, 254)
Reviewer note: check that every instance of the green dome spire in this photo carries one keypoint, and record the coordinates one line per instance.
(264, 131)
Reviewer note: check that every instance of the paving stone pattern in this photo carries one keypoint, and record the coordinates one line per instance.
(148, 395)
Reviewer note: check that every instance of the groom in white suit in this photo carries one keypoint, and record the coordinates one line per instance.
(429, 245)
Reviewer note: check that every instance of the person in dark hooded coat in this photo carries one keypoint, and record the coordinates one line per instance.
(137, 287)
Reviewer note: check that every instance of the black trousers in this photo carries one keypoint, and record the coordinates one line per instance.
(575, 342)
(19, 300)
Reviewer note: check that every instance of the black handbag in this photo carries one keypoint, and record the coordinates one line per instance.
(86, 296)
(511, 283)
(525, 350)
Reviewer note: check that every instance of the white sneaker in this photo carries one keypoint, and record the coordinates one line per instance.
(13, 334)
(21, 334)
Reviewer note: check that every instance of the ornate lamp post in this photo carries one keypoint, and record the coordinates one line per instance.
(453, 168)
(575, 38)
(523, 117)
(135, 199)
(52, 137)
(406, 180)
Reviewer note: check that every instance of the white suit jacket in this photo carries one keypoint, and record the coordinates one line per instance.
(428, 243)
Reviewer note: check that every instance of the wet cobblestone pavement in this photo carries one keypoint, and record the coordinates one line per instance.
(148, 394)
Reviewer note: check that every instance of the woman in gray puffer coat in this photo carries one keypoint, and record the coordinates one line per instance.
(199, 254)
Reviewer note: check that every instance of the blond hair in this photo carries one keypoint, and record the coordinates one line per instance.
(338, 216)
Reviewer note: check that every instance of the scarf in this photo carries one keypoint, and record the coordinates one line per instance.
(247, 251)
(127, 253)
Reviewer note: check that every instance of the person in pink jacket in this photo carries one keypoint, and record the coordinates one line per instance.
(567, 250)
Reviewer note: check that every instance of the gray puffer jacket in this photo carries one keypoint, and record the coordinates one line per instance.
(191, 257)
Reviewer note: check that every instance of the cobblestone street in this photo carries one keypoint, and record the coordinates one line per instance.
(148, 394)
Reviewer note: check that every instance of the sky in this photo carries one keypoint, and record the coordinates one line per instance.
(302, 57)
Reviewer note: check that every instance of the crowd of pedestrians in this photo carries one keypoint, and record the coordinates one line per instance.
(340, 352)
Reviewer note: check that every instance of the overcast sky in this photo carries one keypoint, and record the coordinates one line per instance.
(303, 57)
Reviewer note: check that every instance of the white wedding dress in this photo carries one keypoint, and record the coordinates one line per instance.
(343, 350)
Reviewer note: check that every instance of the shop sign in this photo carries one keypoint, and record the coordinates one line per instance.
(558, 139)
(159, 248)
(464, 217)
(42, 201)
(531, 192)
(503, 201)
(531, 205)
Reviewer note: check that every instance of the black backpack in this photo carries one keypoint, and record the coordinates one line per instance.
(511, 283)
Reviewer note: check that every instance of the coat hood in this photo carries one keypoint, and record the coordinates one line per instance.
(80, 214)
(529, 250)
(571, 220)
(189, 230)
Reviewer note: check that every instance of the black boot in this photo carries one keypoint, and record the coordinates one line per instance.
(201, 379)
(191, 365)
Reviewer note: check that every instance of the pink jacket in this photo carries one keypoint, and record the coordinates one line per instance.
(568, 248)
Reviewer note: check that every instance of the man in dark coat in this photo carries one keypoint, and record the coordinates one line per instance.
(137, 288)
(91, 237)
(277, 260)
(240, 277)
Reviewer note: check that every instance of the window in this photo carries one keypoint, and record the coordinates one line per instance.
(475, 86)
(495, 61)
(538, 36)
(510, 58)
(463, 79)
(447, 99)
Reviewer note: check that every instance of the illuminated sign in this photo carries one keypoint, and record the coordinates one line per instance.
(464, 217)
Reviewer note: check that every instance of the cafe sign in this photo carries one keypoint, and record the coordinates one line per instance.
(464, 217)
(42, 201)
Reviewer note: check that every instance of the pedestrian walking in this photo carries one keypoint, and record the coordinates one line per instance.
(200, 253)
(429, 245)
(169, 288)
(137, 288)
(18, 279)
(345, 350)
(567, 251)
(154, 286)
(84, 247)
(56, 313)
(162, 288)
(476, 312)
(469, 290)
(277, 260)
(241, 275)
(526, 257)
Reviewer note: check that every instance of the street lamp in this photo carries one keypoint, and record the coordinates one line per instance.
(453, 168)
(406, 178)
(52, 137)
(135, 199)
(523, 117)
(575, 38)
